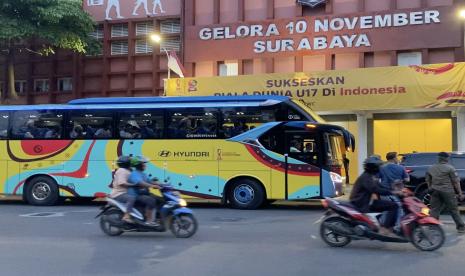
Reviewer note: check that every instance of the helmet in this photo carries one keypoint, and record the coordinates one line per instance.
(138, 160)
(124, 161)
(372, 164)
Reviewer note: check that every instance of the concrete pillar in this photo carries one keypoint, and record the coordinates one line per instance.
(362, 140)
(461, 130)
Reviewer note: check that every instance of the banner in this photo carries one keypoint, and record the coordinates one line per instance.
(398, 87)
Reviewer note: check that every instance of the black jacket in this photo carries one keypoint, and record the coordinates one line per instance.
(366, 185)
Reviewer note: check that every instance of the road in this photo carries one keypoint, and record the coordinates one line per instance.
(272, 241)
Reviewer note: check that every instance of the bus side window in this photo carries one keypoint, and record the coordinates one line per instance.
(87, 124)
(237, 120)
(140, 125)
(4, 118)
(193, 124)
(41, 124)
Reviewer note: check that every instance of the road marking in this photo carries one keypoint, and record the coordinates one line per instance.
(43, 215)
(215, 227)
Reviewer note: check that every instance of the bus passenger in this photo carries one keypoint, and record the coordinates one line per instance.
(131, 130)
(103, 132)
(28, 131)
(295, 146)
(53, 132)
(239, 127)
(77, 132)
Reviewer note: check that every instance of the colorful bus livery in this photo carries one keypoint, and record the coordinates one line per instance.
(227, 148)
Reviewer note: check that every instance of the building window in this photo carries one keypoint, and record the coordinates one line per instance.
(170, 27)
(2, 84)
(144, 28)
(65, 84)
(41, 85)
(119, 48)
(171, 44)
(94, 2)
(228, 69)
(98, 32)
(119, 30)
(143, 46)
(409, 58)
(20, 86)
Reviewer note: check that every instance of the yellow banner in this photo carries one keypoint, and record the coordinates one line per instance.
(398, 87)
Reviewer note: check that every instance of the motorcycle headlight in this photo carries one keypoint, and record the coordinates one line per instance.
(182, 203)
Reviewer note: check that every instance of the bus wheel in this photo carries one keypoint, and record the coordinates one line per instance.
(42, 191)
(246, 194)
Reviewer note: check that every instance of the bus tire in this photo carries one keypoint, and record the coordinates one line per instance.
(246, 193)
(42, 191)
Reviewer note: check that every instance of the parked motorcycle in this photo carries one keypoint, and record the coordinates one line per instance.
(342, 223)
(173, 215)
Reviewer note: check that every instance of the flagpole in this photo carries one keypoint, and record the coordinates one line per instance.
(167, 59)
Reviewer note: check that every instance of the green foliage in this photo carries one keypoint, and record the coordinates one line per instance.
(51, 24)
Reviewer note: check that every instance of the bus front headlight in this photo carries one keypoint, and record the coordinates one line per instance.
(182, 203)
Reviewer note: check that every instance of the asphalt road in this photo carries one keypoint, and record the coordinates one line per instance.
(273, 241)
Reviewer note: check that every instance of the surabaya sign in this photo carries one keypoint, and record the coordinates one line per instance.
(397, 87)
(363, 32)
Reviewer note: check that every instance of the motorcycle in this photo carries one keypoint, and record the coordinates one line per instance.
(342, 223)
(173, 216)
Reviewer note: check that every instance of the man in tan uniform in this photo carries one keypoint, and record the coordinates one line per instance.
(444, 182)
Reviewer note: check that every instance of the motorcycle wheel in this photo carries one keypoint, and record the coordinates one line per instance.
(107, 227)
(428, 237)
(330, 237)
(183, 226)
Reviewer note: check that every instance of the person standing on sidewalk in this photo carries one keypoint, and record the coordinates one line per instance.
(444, 182)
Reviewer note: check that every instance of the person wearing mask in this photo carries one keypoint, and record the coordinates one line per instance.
(140, 184)
(119, 186)
(365, 187)
(444, 185)
(393, 176)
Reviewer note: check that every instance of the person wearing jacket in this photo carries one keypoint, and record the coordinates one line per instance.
(366, 188)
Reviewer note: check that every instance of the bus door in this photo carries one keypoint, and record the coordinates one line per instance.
(302, 163)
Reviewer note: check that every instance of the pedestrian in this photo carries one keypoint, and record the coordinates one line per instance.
(444, 184)
(393, 176)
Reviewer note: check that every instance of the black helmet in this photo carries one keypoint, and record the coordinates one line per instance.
(124, 162)
(372, 164)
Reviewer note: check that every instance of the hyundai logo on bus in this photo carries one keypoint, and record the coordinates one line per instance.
(310, 3)
(164, 153)
(167, 153)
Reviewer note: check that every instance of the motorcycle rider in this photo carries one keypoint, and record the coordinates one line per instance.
(393, 176)
(120, 186)
(365, 191)
(140, 189)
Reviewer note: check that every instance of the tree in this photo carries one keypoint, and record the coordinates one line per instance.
(42, 27)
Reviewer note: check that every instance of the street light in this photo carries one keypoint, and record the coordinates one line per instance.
(462, 13)
(156, 38)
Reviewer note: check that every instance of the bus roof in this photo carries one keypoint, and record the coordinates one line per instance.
(137, 105)
(192, 99)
